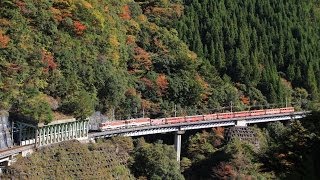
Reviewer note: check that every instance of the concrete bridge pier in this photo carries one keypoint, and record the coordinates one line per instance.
(241, 123)
(177, 143)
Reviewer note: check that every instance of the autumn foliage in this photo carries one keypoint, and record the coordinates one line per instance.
(175, 10)
(162, 83)
(79, 28)
(147, 82)
(146, 104)
(48, 61)
(131, 92)
(130, 40)
(142, 58)
(4, 40)
(245, 100)
(60, 12)
(224, 171)
(21, 5)
(160, 45)
(219, 131)
(125, 15)
(205, 86)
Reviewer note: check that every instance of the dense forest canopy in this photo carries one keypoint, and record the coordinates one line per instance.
(76, 56)
(270, 45)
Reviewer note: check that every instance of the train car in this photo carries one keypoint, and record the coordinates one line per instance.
(287, 110)
(210, 116)
(143, 121)
(104, 126)
(242, 114)
(156, 122)
(138, 122)
(225, 115)
(174, 120)
(112, 125)
(194, 118)
(273, 111)
(130, 122)
(257, 112)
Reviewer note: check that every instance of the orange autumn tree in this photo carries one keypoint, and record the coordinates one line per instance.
(141, 60)
(126, 14)
(79, 27)
(4, 40)
(245, 100)
(48, 61)
(130, 40)
(219, 131)
(162, 83)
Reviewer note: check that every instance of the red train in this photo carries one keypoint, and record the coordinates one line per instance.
(130, 123)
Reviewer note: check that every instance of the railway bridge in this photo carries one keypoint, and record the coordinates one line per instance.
(31, 137)
(180, 128)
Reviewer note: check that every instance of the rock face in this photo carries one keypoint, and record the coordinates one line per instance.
(95, 119)
(5, 131)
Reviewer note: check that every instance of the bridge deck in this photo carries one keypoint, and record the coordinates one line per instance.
(15, 150)
(144, 130)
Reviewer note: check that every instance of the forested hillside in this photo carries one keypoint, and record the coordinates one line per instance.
(283, 151)
(288, 151)
(269, 45)
(116, 158)
(75, 160)
(72, 57)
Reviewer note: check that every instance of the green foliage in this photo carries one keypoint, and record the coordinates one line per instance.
(290, 147)
(76, 161)
(243, 160)
(109, 55)
(201, 145)
(285, 151)
(89, 55)
(220, 160)
(125, 143)
(184, 90)
(257, 43)
(80, 105)
(185, 163)
(36, 108)
(115, 84)
(155, 161)
(276, 130)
